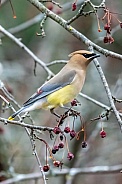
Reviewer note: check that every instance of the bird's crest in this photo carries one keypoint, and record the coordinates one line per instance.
(79, 52)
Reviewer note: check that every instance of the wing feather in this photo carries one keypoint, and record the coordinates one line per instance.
(56, 83)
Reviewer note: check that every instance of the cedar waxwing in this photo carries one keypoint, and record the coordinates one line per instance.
(63, 87)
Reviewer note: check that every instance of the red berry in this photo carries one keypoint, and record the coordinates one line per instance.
(70, 156)
(103, 134)
(61, 145)
(56, 163)
(57, 130)
(74, 103)
(110, 39)
(107, 27)
(61, 137)
(121, 24)
(72, 133)
(59, 11)
(105, 40)
(99, 30)
(67, 129)
(1, 130)
(55, 149)
(84, 144)
(74, 6)
(46, 168)
(50, 6)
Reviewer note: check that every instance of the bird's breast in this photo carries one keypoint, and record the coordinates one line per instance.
(67, 93)
(62, 96)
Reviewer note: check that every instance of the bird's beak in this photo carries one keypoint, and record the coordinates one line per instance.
(94, 56)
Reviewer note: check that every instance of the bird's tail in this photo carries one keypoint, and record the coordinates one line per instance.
(15, 114)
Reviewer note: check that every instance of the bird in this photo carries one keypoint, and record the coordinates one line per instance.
(63, 87)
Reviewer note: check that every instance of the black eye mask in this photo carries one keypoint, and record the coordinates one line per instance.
(89, 55)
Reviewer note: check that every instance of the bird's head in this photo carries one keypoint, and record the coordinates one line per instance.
(82, 57)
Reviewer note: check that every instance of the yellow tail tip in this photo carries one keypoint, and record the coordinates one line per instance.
(10, 118)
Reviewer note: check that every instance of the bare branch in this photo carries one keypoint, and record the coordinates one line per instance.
(26, 24)
(107, 91)
(74, 171)
(22, 124)
(81, 12)
(73, 31)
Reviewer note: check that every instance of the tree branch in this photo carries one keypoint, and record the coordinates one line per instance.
(107, 89)
(22, 124)
(72, 172)
(73, 31)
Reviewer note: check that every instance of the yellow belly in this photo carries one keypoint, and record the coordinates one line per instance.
(60, 97)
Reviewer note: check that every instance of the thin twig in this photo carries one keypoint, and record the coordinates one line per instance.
(81, 12)
(27, 50)
(73, 31)
(107, 89)
(36, 19)
(5, 121)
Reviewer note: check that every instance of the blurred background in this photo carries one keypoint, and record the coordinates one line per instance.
(17, 73)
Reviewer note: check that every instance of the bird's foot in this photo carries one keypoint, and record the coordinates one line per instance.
(54, 113)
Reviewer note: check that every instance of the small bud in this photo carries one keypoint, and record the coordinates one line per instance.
(74, 6)
(57, 130)
(70, 156)
(99, 30)
(102, 134)
(67, 129)
(46, 168)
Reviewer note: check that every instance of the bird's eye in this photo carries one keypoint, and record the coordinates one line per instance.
(88, 55)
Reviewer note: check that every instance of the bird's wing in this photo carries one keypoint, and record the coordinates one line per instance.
(51, 86)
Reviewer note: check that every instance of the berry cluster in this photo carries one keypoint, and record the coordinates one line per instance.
(108, 25)
(61, 140)
(61, 135)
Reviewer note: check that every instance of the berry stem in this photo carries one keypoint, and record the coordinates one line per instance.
(46, 155)
(66, 143)
(49, 150)
(116, 19)
(102, 125)
(84, 138)
(73, 124)
(98, 23)
(14, 15)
